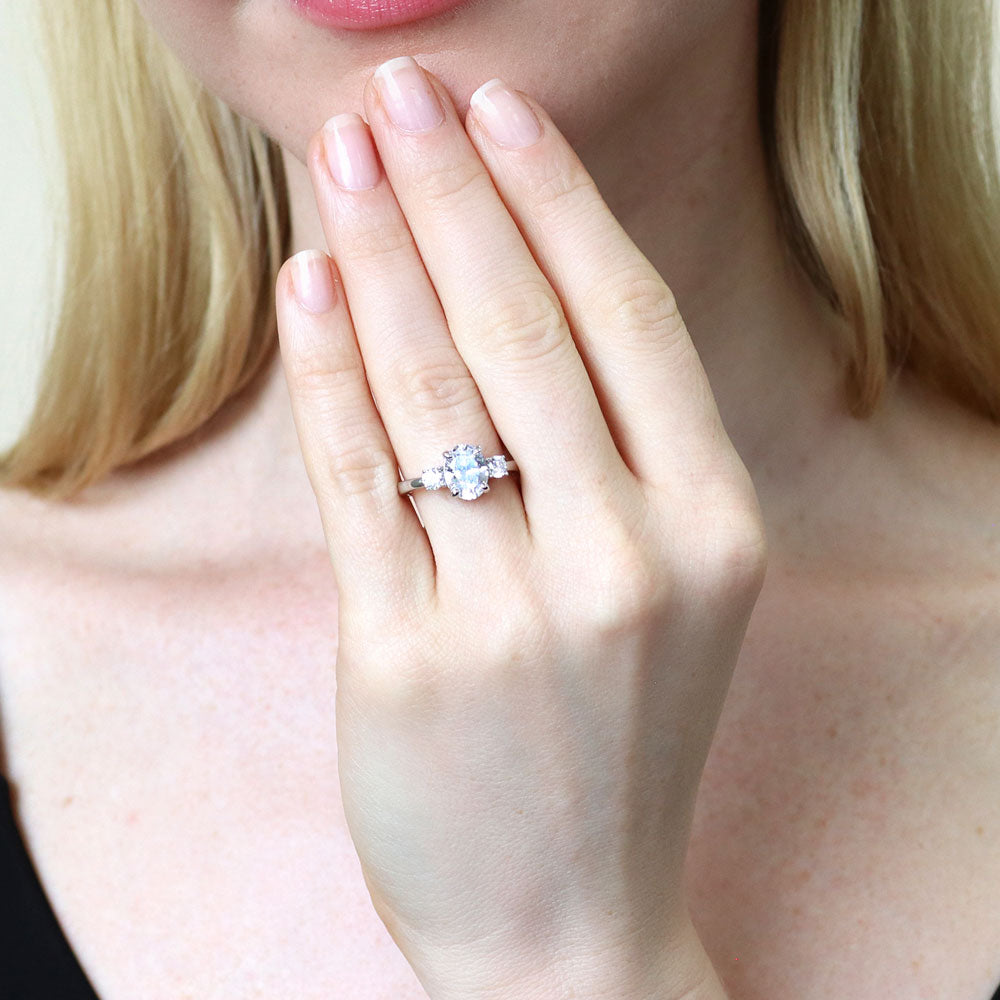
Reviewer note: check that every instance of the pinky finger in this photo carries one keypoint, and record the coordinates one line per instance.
(381, 558)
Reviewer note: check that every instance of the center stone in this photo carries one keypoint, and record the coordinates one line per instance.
(465, 471)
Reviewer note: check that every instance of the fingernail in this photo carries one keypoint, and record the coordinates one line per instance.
(312, 281)
(407, 95)
(350, 152)
(505, 115)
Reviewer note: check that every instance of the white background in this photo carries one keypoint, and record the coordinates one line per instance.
(27, 212)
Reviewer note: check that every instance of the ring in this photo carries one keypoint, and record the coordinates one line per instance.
(464, 471)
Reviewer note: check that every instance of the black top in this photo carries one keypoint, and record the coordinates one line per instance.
(36, 960)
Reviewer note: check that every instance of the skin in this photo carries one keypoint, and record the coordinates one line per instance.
(638, 581)
(722, 258)
(813, 468)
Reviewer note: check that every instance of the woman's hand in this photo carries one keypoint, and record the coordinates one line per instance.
(527, 685)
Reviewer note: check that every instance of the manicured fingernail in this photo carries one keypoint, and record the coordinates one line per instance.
(350, 152)
(407, 95)
(505, 115)
(312, 281)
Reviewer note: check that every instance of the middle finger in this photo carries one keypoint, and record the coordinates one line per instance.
(504, 316)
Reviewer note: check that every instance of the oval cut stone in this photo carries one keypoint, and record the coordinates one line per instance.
(466, 472)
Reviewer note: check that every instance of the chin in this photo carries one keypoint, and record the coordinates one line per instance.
(288, 65)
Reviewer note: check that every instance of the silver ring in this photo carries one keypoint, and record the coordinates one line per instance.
(464, 471)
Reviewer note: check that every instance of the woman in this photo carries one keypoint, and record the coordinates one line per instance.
(715, 278)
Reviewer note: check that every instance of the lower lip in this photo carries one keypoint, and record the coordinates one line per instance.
(363, 15)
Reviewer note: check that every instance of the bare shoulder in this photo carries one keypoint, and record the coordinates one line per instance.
(27, 521)
(851, 801)
(910, 534)
(50, 543)
(33, 532)
(946, 459)
(68, 568)
(46, 548)
(906, 497)
(35, 566)
(938, 510)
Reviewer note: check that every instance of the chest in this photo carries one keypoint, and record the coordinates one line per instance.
(175, 751)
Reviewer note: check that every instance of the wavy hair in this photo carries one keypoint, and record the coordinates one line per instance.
(878, 126)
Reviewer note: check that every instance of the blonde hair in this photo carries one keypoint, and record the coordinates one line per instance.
(177, 223)
(878, 126)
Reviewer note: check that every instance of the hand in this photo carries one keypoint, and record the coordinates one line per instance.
(527, 685)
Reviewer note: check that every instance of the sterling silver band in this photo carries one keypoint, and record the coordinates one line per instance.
(463, 470)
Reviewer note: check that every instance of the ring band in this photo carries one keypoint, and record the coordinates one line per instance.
(463, 470)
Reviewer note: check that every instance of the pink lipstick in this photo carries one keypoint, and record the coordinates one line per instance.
(363, 15)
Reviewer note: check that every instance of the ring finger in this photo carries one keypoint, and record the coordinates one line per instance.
(425, 394)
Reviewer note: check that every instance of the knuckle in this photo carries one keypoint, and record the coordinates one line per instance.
(733, 555)
(508, 638)
(629, 595)
(627, 581)
(518, 636)
(743, 554)
(641, 304)
(648, 304)
(371, 635)
(398, 681)
(563, 189)
(392, 676)
(317, 378)
(430, 386)
(384, 242)
(451, 184)
(324, 384)
(528, 326)
(360, 469)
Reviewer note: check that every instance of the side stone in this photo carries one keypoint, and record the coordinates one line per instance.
(433, 479)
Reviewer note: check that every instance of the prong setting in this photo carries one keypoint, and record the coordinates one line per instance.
(465, 471)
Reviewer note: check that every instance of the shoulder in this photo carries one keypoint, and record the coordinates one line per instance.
(123, 528)
(65, 566)
(857, 752)
(44, 537)
(40, 555)
(910, 495)
(939, 502)
(30, 528)
(33, 565)
(891, 554)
